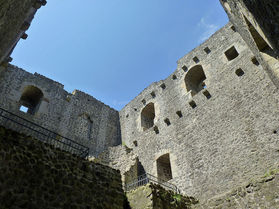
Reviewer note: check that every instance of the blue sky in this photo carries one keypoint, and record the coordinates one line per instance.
(113, 49)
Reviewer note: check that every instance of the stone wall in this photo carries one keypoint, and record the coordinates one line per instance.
(36, 175)
(123, 159)
(77, 116)
(258, 193)
(15, 18)
(153, 196)
(263, 17)
(218, 137)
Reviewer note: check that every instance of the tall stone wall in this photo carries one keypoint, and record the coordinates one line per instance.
(77, 116)
(36, 175)
(213, 139)
(15, 19)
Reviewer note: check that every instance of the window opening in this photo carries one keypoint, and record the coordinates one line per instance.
(156, 129)
(23, 109)
(164, 171)
(179, 113)
(207, 50)
(30, 99)
(147, 116)
(239, 72)
(194, 80)
(184, 68)
(255, 61)
(231, 53)
(193, 104)
(167, 121)
(143, 101)
(163, 86)
(135, 143)
(196, 59)
(206, 94)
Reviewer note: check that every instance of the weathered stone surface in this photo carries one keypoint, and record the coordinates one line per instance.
(227, 138)
(35, 175)
(77, 116)
(121, 158)
(153, 196)
(258, 193)
(263, 17)
(209, 136)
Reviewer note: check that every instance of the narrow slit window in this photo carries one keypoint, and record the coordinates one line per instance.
(184, 68)
(153, 94)
(174, 77)
(135, 143)
(193, 104)
(196, 59)
(156, 129)
(167, 121)
(207, 50)
(143, 101)
(255, 61)
(163, 86)
(207, 94)
(179, 113)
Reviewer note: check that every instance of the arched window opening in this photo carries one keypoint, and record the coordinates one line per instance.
(194, 79)
(30, 99)
(164, 168)
(147, 116)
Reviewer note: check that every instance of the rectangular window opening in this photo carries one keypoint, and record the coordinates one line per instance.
(174, 77)
(179, 113)
(163, 86)
(135, 143)
(193, 104)
(156, 129)
(167, 121)
(184, 68)
(196, 59)
(239, 72)
(207, 94)
(255, 61)
(231, 53)
(207, 50)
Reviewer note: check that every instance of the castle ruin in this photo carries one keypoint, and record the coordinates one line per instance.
(210, 126)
